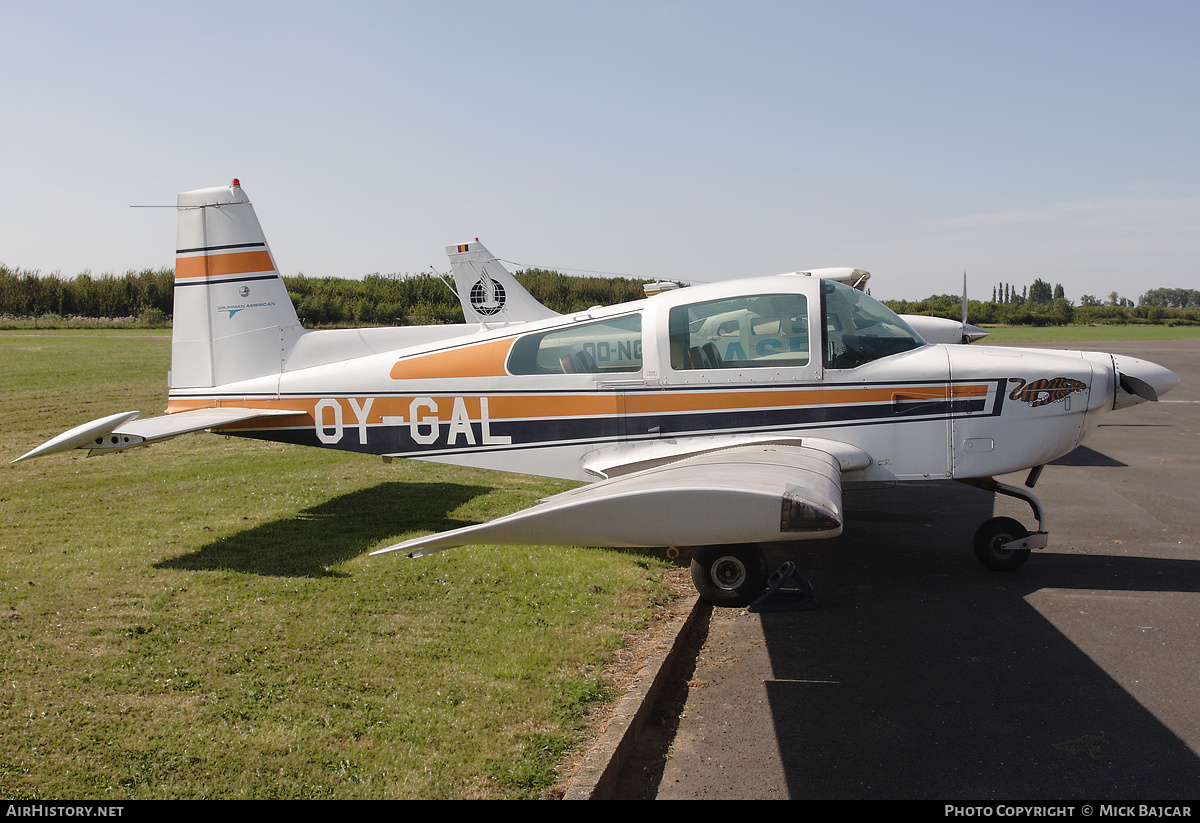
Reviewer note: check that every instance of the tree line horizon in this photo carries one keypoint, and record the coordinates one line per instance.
(145, 298)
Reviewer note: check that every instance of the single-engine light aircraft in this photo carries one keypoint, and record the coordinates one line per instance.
(722, 416)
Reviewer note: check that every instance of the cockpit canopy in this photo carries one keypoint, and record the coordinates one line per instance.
(766, 329)
(859, 329)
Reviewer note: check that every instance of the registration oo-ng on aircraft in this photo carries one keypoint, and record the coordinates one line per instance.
(721, 417)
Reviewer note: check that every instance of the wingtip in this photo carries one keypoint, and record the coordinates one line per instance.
(80, 436)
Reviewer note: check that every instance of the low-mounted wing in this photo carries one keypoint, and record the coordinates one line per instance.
(122, 431)
(742, 494)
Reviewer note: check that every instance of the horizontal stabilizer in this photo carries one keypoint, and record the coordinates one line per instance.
(749, 494)
(123, 431)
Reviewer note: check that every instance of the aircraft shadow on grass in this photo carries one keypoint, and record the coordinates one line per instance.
(308, 543)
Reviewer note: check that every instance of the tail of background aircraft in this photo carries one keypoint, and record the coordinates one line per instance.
(233, 318)
(487, 292)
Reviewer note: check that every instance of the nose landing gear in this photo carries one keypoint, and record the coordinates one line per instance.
(1002, 544)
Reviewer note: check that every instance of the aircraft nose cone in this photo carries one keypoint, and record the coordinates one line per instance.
(1147, 380)
(972, 333)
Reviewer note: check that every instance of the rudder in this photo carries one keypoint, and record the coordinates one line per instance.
(233, 319)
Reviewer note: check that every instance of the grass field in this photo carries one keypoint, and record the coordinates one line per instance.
(201, 620)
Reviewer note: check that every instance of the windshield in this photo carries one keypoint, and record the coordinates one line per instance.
(859, 329)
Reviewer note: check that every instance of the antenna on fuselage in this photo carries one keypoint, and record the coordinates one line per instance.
(442, 279)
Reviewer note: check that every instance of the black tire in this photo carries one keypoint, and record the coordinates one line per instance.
(729, 575)
(995, 533)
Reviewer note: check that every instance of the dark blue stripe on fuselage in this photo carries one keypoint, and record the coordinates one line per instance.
(547, 432)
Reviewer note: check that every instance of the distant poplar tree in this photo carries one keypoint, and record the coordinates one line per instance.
(1040, 292)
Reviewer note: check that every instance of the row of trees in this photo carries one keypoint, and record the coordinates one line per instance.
(1171, 298)
(396, 300)
(136, 294)
(1039, 293)
(1058, 311)
(406, 300)
(375, 300)
(1040, 304)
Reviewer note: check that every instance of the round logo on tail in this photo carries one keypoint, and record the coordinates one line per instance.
(487, 296)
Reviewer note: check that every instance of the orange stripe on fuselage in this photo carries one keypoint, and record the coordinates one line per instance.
(479, 360)
(581, 405)
(216, 264)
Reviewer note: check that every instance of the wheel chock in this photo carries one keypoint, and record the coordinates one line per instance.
(796, 597)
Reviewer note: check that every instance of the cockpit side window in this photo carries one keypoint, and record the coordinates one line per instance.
(606, 346)
(859, 329)
(749, 331)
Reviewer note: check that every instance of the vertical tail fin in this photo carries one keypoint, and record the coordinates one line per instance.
(486, 290)
(233, 317)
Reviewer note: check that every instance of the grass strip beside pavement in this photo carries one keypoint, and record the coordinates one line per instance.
(201, 619)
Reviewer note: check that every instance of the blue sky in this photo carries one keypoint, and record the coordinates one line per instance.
(696, 141)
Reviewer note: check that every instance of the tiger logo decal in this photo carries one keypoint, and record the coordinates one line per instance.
(1045, 391)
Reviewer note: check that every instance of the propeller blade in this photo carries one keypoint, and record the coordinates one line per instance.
(964, 319)
(1139, 387)
(969, 333)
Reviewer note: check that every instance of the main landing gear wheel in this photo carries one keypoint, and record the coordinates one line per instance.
(729, 575)
(990, 539)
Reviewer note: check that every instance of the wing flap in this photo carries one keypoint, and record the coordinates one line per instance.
(122, 431)
(747, 494)
(627, 458)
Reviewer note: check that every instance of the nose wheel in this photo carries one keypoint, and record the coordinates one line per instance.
(991, 539)
(1002, 544)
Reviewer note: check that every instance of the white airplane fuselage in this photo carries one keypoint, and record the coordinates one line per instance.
(932, 412)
